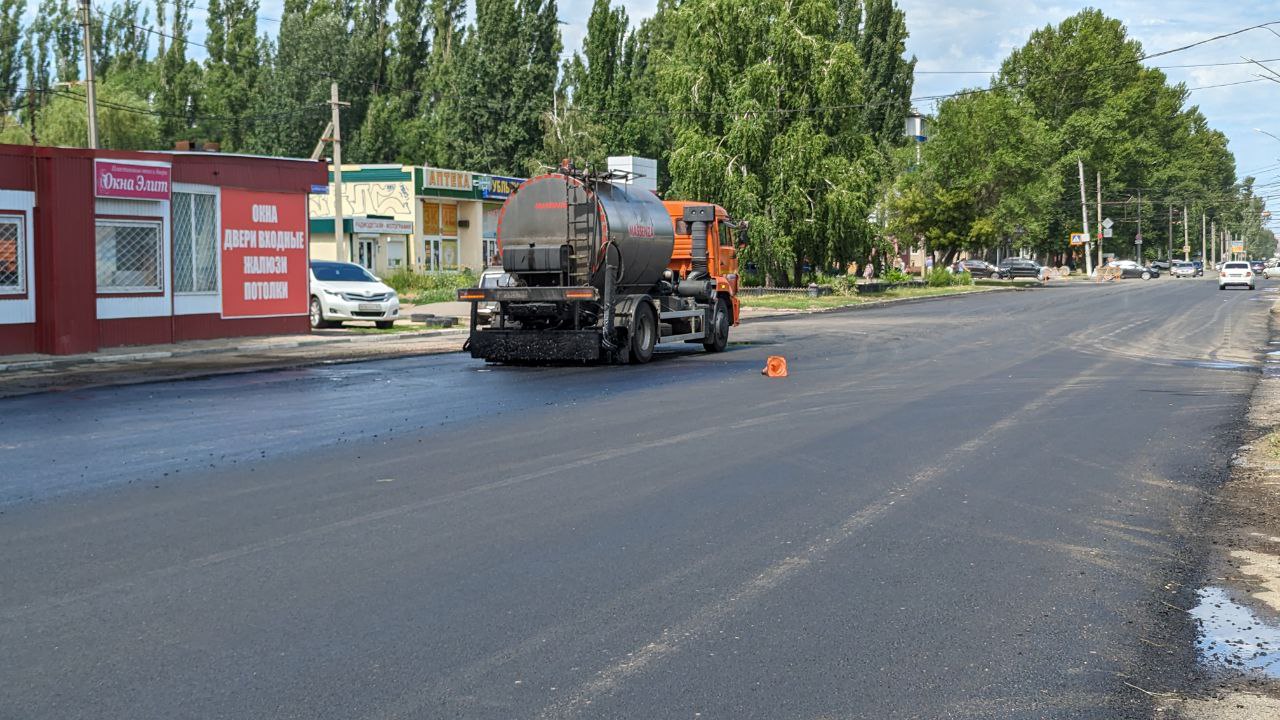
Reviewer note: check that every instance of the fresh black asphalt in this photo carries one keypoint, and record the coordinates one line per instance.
(981, 507)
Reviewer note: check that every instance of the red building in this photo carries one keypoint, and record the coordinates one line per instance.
(108, 248)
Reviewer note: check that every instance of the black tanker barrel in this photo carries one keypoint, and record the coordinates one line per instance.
(636, 223)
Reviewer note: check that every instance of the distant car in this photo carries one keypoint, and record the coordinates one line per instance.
(1183, 269)
(1235, 272)
(1271, 272)
(345, 291)
(1131, 269)
(1012, 267)
(492, 277)
(1257, 266)
(981, 268)
(1161, 265)
(1199, 266)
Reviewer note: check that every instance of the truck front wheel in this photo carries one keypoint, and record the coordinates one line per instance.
(644, 333)
(718, 331)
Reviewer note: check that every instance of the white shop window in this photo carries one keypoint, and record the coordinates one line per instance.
(13, 255)
(195, 243)
(130, 256)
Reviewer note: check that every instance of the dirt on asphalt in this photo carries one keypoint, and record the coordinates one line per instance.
(1235, 608)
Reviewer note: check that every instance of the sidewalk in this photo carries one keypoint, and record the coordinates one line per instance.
(24, 374)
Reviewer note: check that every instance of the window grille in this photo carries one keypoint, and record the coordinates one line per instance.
(13, 251)
(130, 256)
(195, 243)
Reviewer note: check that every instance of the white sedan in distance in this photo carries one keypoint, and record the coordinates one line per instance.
(343, 291)
(1235, 272)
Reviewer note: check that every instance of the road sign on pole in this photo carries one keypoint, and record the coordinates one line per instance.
(1107, 223)
(1106, 232)
(1138, 238)
(1078, 238)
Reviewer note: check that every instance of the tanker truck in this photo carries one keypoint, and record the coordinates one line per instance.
(600, 270)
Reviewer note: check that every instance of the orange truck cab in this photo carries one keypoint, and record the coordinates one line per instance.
(723, 240)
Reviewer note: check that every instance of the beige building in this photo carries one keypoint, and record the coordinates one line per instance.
(399, 217)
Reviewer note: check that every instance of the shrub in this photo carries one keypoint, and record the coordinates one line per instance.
(428, 287)
(894, 275)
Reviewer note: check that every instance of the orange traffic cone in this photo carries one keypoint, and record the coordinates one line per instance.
(775, 366)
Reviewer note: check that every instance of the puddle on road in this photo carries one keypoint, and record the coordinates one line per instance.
(1218, 365)
(1231, 636)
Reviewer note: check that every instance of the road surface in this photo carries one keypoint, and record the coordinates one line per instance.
(972, 508)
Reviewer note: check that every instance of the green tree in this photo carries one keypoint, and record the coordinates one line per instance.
(505, 85)
(983, 174)
(231, 71)
(763, 125)
(177, 98)
(439, 82)
(124, 121)
(10, 52)
(888, 75)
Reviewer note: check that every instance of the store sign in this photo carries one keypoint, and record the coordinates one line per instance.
(446, 179)
(498, 188)
(264, 253)
(379, 226)
(131, 181)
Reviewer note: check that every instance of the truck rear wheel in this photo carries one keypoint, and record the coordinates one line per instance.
(644, 332)
(718, 330)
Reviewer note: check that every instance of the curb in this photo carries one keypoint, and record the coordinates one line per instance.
(259, 346)
(880, 303)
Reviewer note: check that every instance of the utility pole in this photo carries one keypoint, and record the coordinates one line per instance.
(1186, 243)
(1169, 257)
(91, 96)
(1213, 246)
(339, 236)
(1088, 250)
(1203, 226)
(1139, 243)
(1084, 214)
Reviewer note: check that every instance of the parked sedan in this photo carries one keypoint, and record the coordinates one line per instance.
(1162, 265)
(1271, 272)
(1012, 267)
(1183, 269)
(345, 291)
(980, 269)
(1235, 272)
(1131, 269)
(1257, 266)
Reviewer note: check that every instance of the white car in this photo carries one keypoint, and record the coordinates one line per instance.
(1271, 271)
(1182, 269)
(1236, 272)
(345, 291)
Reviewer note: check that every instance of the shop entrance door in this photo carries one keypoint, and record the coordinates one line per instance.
(364, 252)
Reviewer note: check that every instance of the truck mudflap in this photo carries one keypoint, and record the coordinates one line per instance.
(502, 345)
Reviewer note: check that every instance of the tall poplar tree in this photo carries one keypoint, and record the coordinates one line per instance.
(232, 69)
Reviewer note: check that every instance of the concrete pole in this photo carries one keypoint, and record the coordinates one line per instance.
(1084, 215)
(91, 95)
(340, 238)
(1213, 244)
(1203, 226)
(1170, 255)
(1186, 243)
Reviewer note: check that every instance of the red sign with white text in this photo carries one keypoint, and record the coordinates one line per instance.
(131, 181)
(264, 254)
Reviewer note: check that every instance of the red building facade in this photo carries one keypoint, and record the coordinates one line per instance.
(107, 248)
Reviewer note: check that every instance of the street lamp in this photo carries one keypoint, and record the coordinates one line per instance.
(914, 128)
(1264, 132)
